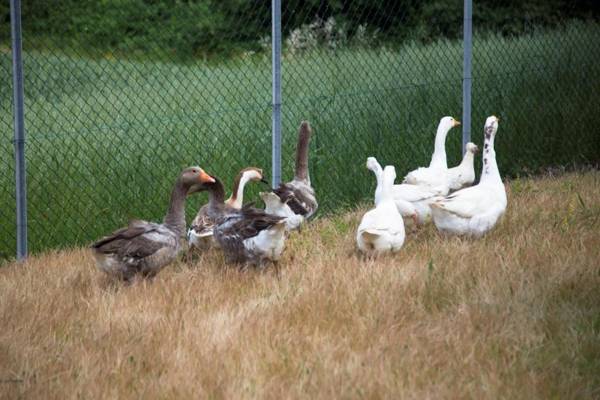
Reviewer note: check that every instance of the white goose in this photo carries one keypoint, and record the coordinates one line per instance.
(464, 174)
(412, 201)
(381, 229)
(476, 209)
(434, 176)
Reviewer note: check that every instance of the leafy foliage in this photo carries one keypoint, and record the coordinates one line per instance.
(208, 27)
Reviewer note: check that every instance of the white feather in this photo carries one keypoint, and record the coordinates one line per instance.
(382, 229)
(476, 209)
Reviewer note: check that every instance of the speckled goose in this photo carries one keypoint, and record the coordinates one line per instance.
(475, 210)
(249, 235)
(298, 196)
(200, 234)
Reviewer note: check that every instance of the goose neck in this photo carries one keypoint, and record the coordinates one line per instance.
(301, 172)
(216, 196)
(489, 172)
(378, 178)
(385, 188)
(438, 159)
(468, 159)
(175, 217)
(237, 195)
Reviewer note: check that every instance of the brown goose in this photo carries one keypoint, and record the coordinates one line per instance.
(146, 247)
(248, 235)
(200, 234)
(298, 196)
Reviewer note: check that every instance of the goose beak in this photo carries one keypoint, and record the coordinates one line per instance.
(264, 180)
(206, 178)
(476, 150)
(456, 122)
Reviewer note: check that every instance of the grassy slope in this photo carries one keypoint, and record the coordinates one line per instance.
(513, 315)
(106, 137)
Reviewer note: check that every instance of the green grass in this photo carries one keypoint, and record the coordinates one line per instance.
(107, 137)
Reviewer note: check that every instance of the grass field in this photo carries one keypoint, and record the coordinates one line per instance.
(514, 315)
(106, 136)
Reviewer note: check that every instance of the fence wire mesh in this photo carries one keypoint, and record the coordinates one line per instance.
(110, 122)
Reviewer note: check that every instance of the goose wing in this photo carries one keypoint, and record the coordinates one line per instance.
(234, 228)
(295, 199)
(203, 224)
(413, 193)
(459, 177)
(434, 179)
(418, 176)
(138, 240)
(382, 219)
(455, 178)
(467, 202)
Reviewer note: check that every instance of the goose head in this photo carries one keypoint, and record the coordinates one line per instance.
(491, 126)
(373, 164)
(195, 179)
(253, 174)
(249, 174)
(447, 123)
(472, 148)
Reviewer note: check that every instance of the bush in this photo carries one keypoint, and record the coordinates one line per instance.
(206, 27)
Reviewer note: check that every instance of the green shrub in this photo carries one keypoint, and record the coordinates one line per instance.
(193, 28)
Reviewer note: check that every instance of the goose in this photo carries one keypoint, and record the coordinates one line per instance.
(463, 175)
(434, 176)
(248, 235)
(381, 229)
(144, 248)
(412, 201)
(200, 234)
(298, 196)
(274, 206)
(475, 210)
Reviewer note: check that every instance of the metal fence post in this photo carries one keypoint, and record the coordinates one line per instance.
(467, 57)
(276, 73)
(19, 126)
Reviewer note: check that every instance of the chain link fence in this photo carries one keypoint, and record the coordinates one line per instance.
(111, 123)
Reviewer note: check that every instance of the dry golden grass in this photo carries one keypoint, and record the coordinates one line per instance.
(513, 315)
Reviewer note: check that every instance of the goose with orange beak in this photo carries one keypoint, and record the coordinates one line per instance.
(435, 176)
(144, 248)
